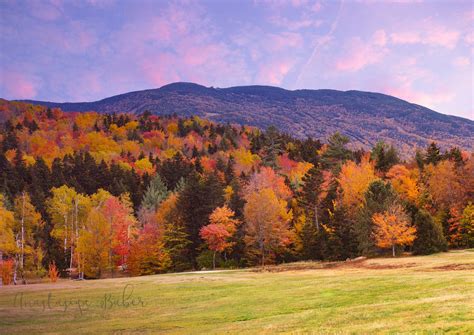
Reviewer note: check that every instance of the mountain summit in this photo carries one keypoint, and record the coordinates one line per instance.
(363, 116)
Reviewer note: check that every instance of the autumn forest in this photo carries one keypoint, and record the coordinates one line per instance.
(89, 195)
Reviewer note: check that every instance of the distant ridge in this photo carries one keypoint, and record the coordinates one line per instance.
(365, 117)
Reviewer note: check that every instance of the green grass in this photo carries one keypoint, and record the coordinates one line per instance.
(423, 295)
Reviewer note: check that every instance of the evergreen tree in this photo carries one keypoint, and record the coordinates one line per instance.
(154, 194)
(172, 170)
(342, 239)
(180, 185)
(455, 155)
(336, 152)
(384, 156)
(272, 148)
(309, 195)
(195, 203)
(432, 155)
(429, 237)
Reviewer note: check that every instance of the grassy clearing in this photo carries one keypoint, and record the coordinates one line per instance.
(429, 294)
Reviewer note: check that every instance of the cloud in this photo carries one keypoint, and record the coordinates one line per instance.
(469, 38)
(178, 44)
(18, 85)
(294, 25)
(461, 61)
(407, 37)
(410, 84)
(274, 72)
(284, 41)
(380, 38)
(359, 54)
(427, 99)
(429, 33)
(45, 10)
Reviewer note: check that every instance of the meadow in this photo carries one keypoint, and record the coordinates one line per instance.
(424, 295)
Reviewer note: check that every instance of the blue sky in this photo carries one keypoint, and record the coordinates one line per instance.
(421, 51)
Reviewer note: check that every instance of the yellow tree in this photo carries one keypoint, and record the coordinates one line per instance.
(354, 180)
(405, 182)
(266, 224)
(68, 211)
(95, 244)
(27, 220)
(7, 238)
(393, 228)
(445, 184)
(7, 242)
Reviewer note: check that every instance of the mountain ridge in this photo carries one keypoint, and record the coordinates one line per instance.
(365, 117)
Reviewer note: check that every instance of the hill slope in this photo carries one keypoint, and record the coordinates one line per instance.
(365, 117)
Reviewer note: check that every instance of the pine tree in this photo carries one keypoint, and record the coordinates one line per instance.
(430, 238)
(195, 203)
(272, 148)
(384, 156)
(432, 155)
(336, 152)
(154, 194)
(342, 238)
(309, 195)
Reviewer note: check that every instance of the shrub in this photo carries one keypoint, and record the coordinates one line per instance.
(6, 271)
(53, 272)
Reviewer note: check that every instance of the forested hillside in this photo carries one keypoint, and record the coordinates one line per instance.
(105, 194)
(364, 117)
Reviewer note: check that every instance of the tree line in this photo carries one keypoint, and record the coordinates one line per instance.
(96, 195)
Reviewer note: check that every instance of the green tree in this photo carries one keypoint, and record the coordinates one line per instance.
(429, 237)
(195, 203)
(155, 194)
(272, 147)
(336, 152)
(385, 156)
(313, 236)
(432, 155)
(342, 238)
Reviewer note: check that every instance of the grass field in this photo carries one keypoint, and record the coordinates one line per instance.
(424, 295)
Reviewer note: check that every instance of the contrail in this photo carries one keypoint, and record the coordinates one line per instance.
(320, 42)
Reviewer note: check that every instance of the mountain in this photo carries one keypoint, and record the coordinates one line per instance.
(363, 116)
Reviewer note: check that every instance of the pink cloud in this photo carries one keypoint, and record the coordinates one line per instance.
(274, 72)
(469, 38)
(179, 44)
(406, 91)
(17, 85)
(360, 54)
(316, 7)
(442, 36)
(301, 23)
(380, 38)
(45, 10)
(429, 33)
(407, 37)
(160, 70)
(278, 42)
(461, 61)
(74, 38)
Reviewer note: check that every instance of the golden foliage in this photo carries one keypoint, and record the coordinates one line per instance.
(393, 228)
(354, 180)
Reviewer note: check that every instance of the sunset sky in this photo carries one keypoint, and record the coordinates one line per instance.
(421, 51)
